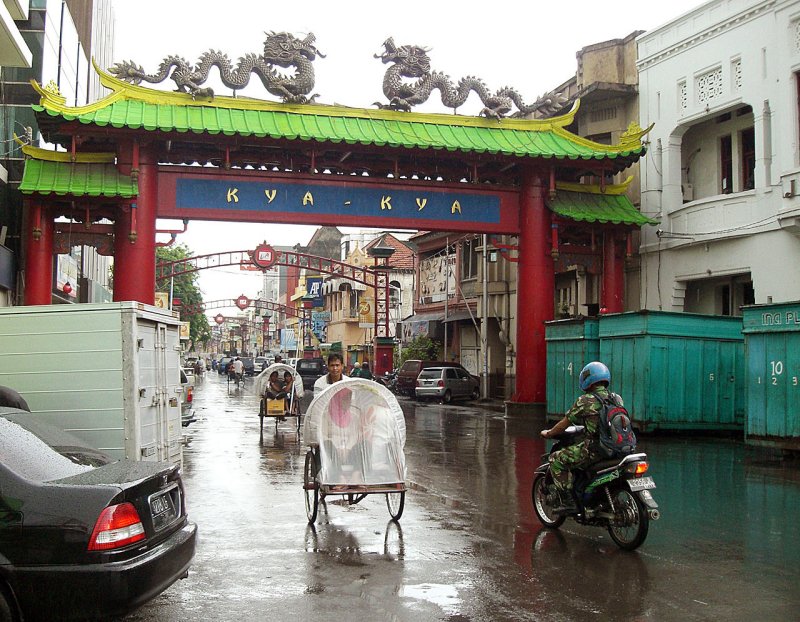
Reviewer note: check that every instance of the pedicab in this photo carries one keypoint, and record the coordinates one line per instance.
(356, 434)
(279, 405)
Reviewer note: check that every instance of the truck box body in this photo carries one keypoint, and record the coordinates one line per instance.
(108, 373)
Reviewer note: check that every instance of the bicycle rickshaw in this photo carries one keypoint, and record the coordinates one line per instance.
(356, 433)
(280, 407)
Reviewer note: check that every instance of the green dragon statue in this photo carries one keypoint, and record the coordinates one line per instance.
(411, 61)
(280, 50)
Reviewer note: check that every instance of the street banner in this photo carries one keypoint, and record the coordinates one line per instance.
(366, 312)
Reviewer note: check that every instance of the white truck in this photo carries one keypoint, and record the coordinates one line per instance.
(108, 373)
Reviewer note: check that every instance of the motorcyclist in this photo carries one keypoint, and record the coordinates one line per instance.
(593, 381)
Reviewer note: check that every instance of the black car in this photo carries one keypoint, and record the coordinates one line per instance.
(249, 366)
(82, 536)
(310, 370)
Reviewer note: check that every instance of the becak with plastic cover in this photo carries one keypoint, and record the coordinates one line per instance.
(262, 380)
(357, 426)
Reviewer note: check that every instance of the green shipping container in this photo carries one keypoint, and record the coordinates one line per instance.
(570, 345)
(772, 386)
(676, 371)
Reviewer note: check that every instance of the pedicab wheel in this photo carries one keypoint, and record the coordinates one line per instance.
(396, 501)
(311, 487)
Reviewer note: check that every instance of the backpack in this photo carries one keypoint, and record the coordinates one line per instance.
(614, 428)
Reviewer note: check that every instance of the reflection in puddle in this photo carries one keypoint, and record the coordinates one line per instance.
(445, 596)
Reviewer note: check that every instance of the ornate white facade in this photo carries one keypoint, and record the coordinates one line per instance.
(722, 174)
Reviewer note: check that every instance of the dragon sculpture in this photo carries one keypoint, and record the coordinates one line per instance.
(280, 50)
(412, 61)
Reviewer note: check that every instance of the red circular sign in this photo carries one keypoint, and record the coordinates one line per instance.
(219, 319)
(242, 302)
(264, 256)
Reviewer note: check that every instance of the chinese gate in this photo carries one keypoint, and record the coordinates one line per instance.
(132, 158)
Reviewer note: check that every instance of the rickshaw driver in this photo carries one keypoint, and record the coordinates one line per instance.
(335, 368)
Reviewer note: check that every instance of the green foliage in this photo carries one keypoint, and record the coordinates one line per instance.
(185, 287)
(423, 348)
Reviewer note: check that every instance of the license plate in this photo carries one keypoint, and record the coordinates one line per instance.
(162, 508)
(641, 483)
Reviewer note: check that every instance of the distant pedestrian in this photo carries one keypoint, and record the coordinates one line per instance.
(278, 358)
(10, 397)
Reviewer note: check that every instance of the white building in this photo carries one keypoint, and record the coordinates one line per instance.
(721, 84)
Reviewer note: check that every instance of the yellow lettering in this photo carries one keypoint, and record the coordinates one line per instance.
(232, 195)
(308, 199)
(421, 203)
(456, 207)
(386, 202)
(270, 195)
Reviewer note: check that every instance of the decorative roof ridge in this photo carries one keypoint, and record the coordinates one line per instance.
(122, 90)
(630, 140)
(37, 153)
(609, 189)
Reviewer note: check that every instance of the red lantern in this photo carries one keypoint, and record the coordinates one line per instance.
(219, 319)
(67, 288)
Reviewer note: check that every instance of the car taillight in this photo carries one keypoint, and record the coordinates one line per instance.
(440, 383)
(118, 526)
(189, 392)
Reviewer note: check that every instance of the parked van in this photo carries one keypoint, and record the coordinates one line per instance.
(407, 375)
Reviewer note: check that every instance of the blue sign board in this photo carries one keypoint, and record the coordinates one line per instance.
(336, 199)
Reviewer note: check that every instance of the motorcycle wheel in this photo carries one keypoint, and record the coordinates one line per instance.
(542, 507)
(631, 522)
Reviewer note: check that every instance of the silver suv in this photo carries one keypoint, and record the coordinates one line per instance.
(446, 384)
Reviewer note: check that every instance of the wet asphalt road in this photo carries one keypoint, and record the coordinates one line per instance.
(468, 546)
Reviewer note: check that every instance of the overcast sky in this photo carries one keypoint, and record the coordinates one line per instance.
(528, 45)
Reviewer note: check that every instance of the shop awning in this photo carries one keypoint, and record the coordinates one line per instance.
(423, 317)
(457, 316)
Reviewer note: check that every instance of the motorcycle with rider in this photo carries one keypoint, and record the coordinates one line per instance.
(593, 473)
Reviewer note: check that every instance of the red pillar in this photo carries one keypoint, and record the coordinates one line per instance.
(613, 276)
(39, 257)
(535, 286)
(135, 237)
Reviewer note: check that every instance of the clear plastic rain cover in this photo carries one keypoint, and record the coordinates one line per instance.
(360, 432)
(262, 380)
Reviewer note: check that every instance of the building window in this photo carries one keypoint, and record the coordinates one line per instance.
(726, 165)
(683, 98)
(709, 86)
(469, 259)
(748, 139)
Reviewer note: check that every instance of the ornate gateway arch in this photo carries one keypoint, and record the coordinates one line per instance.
(140, 154)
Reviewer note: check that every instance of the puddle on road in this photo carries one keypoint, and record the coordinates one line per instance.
(444, 596)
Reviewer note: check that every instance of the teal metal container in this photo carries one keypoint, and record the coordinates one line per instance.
(772, 387)
(570, 345)
(676, 371)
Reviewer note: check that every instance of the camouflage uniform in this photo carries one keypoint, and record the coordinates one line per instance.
(585, 412)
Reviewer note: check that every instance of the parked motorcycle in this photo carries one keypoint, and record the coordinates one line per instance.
(614, 494)
(389, 380)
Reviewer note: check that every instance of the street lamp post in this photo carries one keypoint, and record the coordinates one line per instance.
(383, 348)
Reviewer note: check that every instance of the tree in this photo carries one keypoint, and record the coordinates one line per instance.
(423, 348)
(185, 288)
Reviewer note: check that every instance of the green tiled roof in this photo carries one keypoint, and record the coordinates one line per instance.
(76, 179)
(136, 107)
(603, 208)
